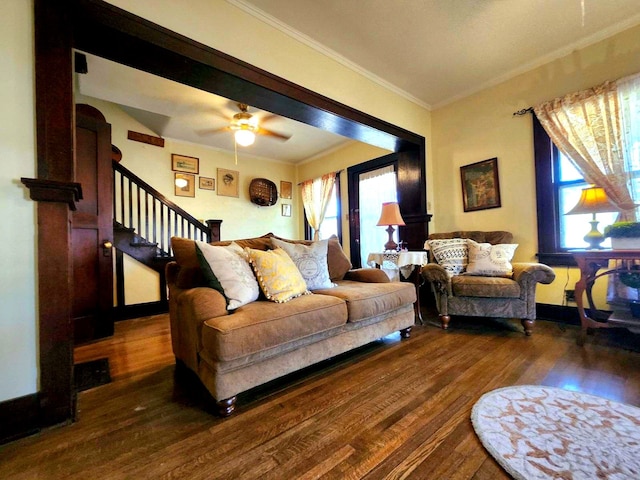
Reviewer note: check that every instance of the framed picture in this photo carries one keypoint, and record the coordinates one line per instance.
(207, 183)
(182, 163)
(185, 185)
(228, 182)
(286, 209)
(285, 189)
(480, 185)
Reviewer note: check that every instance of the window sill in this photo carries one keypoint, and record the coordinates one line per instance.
(559, 259)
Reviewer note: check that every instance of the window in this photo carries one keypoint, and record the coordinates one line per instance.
(332, 224)
(559, 184)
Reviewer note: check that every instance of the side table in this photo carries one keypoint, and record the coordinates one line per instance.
(410, 265)
(590, 262)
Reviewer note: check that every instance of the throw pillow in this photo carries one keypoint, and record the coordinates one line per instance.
(311, 261)
(490, 260)
(227, 271)
(278, 276)
(451, 253)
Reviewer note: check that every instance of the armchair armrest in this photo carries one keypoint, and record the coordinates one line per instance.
(536, 272)
(437, 276)
(367, 275)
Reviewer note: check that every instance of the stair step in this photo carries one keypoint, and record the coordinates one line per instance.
(143, 244)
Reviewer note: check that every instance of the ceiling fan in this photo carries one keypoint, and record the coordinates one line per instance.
(245, 127)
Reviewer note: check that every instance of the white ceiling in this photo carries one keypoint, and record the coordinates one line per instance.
(177, 111)
(436, 51)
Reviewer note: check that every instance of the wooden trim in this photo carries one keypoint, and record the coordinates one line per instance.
(41, 190)
(19, 417)
(126, 312)
(144, 138)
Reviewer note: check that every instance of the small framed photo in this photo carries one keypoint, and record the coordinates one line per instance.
(185, 185)
(228, 182)
(480, 185)
(285, 189)
(286, 209)
(182, 163)
(207, 183)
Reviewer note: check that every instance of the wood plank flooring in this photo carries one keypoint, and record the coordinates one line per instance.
(395, 409)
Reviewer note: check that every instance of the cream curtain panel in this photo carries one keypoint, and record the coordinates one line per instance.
(315, 197)
(586, 127)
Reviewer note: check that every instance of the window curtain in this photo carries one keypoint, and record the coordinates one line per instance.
(316, 194)
(629, 96)
(586, 126)
(375, 187)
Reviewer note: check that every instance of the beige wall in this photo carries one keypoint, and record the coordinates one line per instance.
(18, 325)
(482, 126)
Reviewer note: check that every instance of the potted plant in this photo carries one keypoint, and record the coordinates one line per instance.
(624, 235)
(631, 279)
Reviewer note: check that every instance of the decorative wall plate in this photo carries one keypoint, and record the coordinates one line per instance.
(263, 192)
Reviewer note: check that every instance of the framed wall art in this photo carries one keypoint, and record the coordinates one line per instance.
(185, 185)
(207, 183)
(285, 189)
(480, 185)
(286, 209)
(182, 163)
(228, 182)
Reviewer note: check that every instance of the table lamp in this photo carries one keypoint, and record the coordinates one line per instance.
(593, 200)
(390, 216)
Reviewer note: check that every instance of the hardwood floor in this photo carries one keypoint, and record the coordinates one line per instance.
(393, 409)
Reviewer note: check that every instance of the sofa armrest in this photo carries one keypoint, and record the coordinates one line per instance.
(367, 275)
(437, 276)
(536, 272)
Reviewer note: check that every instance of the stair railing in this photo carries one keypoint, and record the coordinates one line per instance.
(138, 206)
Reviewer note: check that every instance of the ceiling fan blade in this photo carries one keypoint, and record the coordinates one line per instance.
(271, 133)
(210, 131)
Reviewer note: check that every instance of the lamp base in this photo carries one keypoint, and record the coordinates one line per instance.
(390, 245)
(594, 238)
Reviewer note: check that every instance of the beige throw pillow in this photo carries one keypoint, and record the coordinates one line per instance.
(311, 261)
(452, 254)
(490, 260)
(278, 276)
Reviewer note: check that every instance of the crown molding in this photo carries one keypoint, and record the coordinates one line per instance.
(308, 41)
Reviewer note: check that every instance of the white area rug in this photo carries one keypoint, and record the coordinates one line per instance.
(538, 432)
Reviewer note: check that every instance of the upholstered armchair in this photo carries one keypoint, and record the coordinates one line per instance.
(510, 294)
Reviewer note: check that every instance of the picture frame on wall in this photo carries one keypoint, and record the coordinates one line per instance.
(182, 189)
(480, 185)
(286, 209)
(183, 163)
(285, 189)
(228, 182)
(207, 183)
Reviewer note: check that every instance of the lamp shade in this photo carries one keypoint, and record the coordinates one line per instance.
(390, 214)
(593, 200)
(245, 137)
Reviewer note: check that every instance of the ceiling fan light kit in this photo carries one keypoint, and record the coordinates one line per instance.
(244, 137)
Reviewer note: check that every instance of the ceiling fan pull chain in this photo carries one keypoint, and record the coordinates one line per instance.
(235, 149)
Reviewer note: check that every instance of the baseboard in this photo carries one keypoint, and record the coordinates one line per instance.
(558, 313)
(140, 310)
(19, 417)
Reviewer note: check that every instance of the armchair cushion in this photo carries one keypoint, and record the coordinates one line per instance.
(490, 287)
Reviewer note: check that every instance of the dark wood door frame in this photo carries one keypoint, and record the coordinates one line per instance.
(100, 28)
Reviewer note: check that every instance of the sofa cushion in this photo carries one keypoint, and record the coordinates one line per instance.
(311, 261)
(452, 254)
(262, 325)
(227, 270)
(493, 287)
(279, 278)
(365, 300)
(490, 260)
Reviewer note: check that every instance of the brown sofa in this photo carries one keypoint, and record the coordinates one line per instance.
(487, 296)
(232, 352)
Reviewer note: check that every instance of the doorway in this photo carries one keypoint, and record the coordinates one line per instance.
(106, 30)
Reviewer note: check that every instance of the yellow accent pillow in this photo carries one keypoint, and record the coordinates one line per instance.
(279, 278)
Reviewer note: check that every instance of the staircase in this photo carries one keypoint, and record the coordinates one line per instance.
(144, 221)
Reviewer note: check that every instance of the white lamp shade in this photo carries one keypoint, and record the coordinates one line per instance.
(245, 137)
